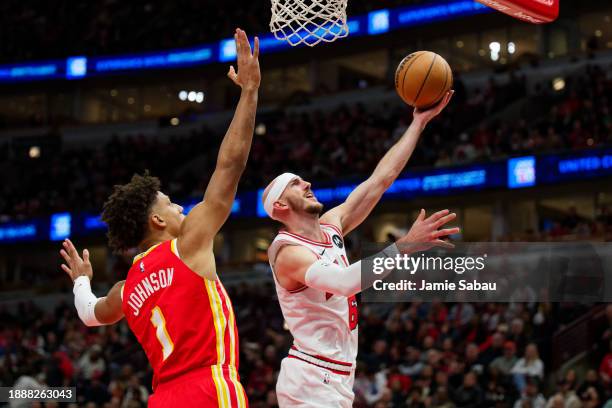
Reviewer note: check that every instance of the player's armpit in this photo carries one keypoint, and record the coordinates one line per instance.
(334, 217)
(291, 264)
(109, 309)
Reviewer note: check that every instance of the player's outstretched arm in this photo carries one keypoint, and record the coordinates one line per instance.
(364, 198)
(93, 311)
(297, 264)
(207, 218)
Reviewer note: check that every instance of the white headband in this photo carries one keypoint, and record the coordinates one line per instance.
(278, 186)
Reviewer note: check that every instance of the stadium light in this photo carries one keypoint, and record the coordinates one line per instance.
(495, 48)
(558, 84)
(260, 130)
(191, 96)
(511, 47)
(34, 152)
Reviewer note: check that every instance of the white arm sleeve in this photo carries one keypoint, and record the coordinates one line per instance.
(332, 278)
(85, 301)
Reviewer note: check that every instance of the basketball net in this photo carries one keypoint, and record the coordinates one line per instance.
(309, 21)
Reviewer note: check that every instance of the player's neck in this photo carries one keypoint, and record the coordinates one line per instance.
(154, 239)
(306, 226)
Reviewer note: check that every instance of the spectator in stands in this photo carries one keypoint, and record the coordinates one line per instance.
(136, 392)
(531, 397)
(517, 333)
(370, 385)
(506, 362)
(413, 364)
(399, 384)
(592, 380)
(565, 395)
(590, 398)
(492, 348)
(27, 381)
(469, 394)
(441, 399)
(92, 364)
(528, 366)
(415, 400)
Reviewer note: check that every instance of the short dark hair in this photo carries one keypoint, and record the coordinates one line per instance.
(127, 209)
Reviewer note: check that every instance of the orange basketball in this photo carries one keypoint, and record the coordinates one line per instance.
(422, 79)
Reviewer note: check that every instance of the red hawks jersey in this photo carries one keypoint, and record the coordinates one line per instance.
(182, 321)
(322, 324)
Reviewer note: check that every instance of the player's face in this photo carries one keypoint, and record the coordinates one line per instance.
(171, 213)
(300, 197)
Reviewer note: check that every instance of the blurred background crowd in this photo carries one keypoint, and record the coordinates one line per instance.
(411, 354)
(342, 144)
(329, 114)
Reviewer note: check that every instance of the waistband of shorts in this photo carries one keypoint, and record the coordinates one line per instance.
(335, 366)
(192, 374)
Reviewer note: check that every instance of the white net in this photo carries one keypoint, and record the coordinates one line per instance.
(309, 21)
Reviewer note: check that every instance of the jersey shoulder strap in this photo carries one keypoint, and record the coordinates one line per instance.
(287, 238)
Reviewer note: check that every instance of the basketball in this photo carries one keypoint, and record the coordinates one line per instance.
(422, 79)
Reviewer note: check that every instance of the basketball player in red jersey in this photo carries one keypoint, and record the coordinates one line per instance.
(316, 285)
(172, 298)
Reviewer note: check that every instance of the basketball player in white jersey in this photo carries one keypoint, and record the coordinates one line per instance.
(315, 283)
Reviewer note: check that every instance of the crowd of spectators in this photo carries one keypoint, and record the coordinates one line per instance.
(321, 146)
(411, 355)
(60, 28)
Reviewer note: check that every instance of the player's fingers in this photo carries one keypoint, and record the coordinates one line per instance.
(238, 45)
(448, 97)
(231, 74)
(446, 232)
(245, 48)
(65, 255)
(67, 270)
(70, 248)
(256, 48)
(421, 216)
(443, 244)
(445, 220)
(436, 216)
(86, 255)
(443, 102)
(247, 44)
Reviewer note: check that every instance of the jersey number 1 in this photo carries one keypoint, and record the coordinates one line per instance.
(157, 318)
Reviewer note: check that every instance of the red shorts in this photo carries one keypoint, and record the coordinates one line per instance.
(200, 388)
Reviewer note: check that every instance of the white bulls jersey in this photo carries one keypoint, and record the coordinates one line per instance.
(324, 326)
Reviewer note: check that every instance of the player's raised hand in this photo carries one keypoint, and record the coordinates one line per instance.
(428, 231)
(248, 76)
(426, 115)
(77, 266)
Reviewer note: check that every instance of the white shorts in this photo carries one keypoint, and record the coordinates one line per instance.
(301, 384)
